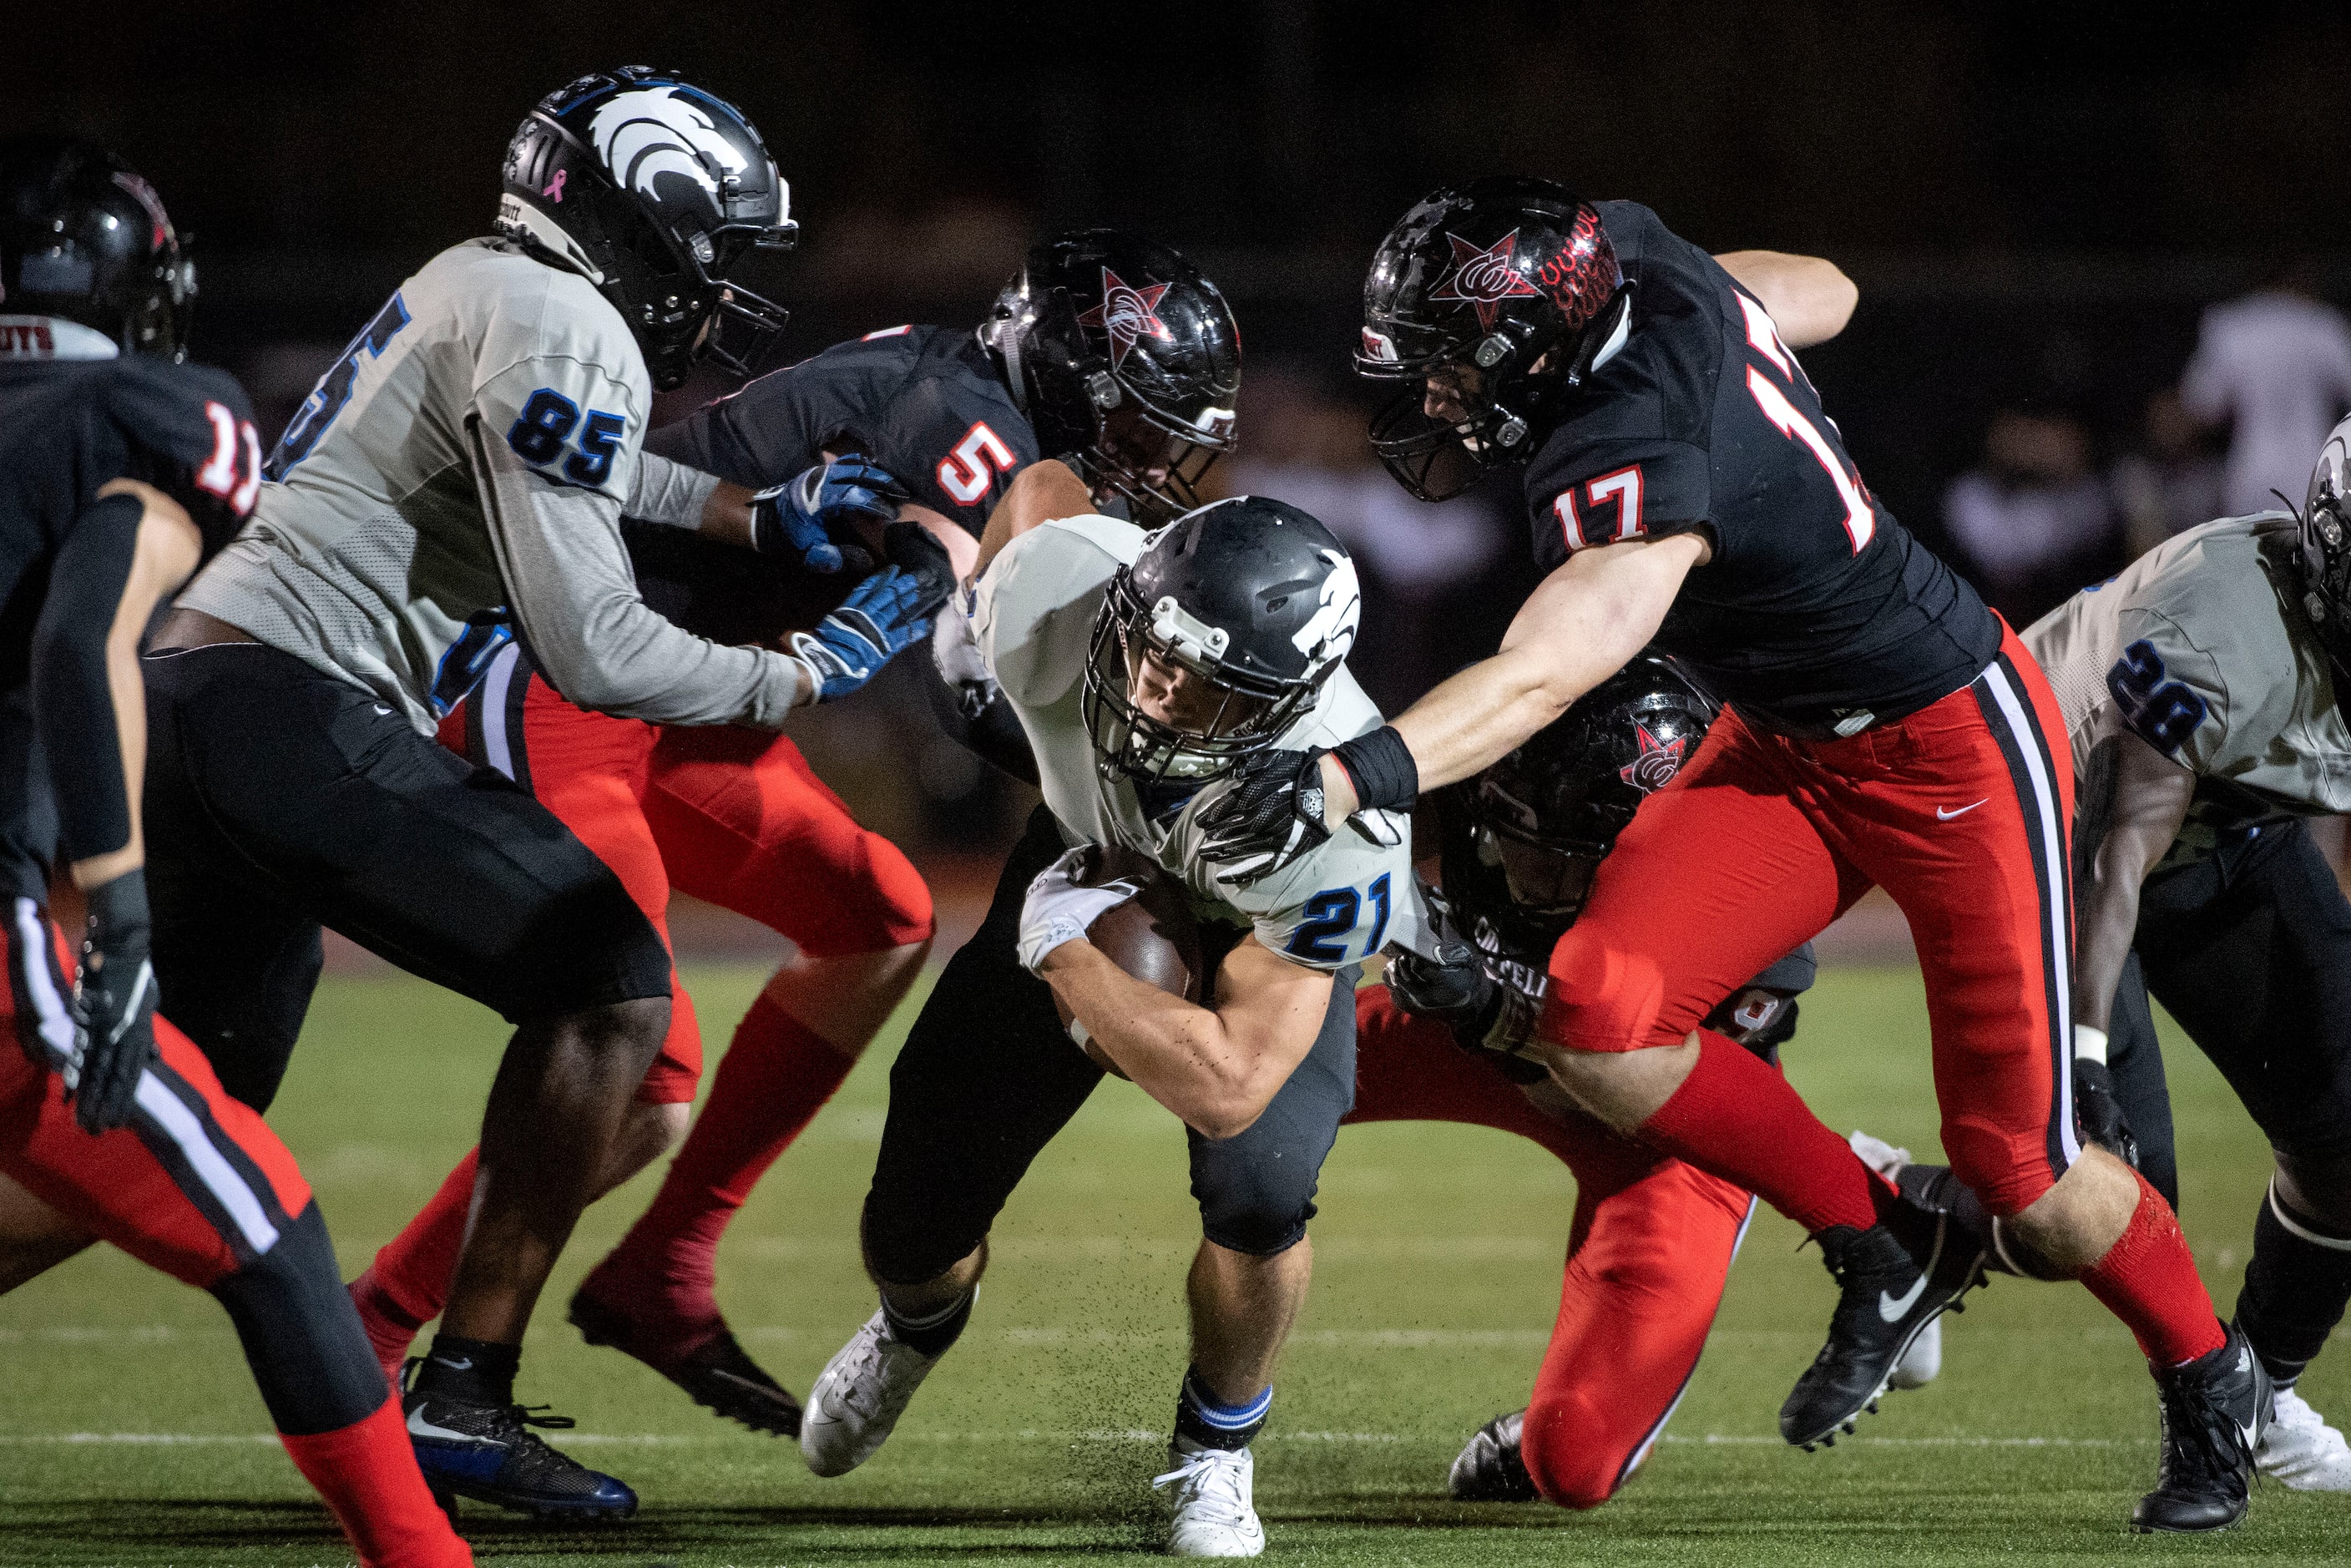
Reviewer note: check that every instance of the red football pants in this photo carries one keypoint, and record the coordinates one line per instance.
(1647, 1253)
(1960, 812)
(734, 817)
(196, 1184)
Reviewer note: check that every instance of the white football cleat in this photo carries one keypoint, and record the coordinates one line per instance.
(858, 1397)
(1213, 1514)
(2302, 1450)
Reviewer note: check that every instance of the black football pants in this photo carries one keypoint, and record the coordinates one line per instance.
(988, 1076)
(280, 799)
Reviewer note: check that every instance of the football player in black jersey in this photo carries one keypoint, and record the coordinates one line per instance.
(122, 466)
(1882, 728)
(1451, 1040)
(1108, 350)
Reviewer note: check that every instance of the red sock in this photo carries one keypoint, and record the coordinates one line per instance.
(776, 1076)
(413, 1272)
(2149, 1280)
(367, 1472)
(1737, 1118)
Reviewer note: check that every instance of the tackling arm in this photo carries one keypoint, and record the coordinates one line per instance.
(1217, 1069)
(1577, 628)
(2151, 797)
(1038, 494)
(1810, 299)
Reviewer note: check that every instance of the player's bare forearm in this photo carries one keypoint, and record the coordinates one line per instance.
(1217, 1068)
(1581, 626)
(1037, 493)
(727, 517)
(1810, 299)
(164, 557)
(2151, 798)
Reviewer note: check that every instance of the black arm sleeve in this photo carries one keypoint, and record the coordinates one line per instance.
(73, 705)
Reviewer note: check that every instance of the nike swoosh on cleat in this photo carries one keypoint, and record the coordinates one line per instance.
(1943, 816)
(1889, 1309)
(464, 1365)
(418, 1426)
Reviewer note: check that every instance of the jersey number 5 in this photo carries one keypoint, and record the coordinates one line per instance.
(1860, 519)
(965, 473)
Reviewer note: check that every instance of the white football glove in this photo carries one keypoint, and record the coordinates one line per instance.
(1059, 910)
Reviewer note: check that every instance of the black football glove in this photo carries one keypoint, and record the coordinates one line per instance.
(113, 1007)
(1451, 987)
(1270, 813)
(916, 552)
(2099, 1114)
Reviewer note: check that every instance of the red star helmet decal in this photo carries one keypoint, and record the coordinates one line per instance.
(1658, 762)
(1126, 314)
(1484, 278)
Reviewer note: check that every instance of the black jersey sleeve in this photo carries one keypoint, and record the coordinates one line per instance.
(955, 438)
(188, 430)
(769, 431)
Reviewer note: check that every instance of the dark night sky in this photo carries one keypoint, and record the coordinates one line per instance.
(2030, 194)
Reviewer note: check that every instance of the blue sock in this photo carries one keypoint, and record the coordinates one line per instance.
(1201, 1419)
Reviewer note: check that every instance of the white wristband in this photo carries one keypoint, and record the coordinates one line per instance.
(1078, 1032)
(2090, 1042)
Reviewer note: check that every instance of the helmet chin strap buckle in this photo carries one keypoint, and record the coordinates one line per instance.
(1102, 390)
(1194, 640)
(1490, 351)
(1510, 432)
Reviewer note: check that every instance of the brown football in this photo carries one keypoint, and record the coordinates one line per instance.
(1150, 936)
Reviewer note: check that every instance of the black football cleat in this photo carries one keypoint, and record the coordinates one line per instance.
(2213, 1412)
(488, 1452)
(1489, 1468)
(1893, 1278)
(717, 1374)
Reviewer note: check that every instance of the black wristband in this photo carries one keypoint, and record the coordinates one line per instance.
(1380, 766)
(118, 909)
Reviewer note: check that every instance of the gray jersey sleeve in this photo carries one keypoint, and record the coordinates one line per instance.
(559, 548)
(668, 492)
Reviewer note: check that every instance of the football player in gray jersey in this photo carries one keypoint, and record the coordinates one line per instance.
(454, 484)
(2201, 688)
(1142, 668)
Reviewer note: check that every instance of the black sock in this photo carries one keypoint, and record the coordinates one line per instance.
(473, 1371)
(2295, 1288)
(931, 1334)
(1201, 1419)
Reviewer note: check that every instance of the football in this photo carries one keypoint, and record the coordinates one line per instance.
(1150, 936)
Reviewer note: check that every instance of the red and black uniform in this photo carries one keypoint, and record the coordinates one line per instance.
(1882, 728)
(195, 1184)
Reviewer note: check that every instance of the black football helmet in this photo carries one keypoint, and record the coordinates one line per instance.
(83, 239)
(1509, 289)
(2323, 549)
(1237, 612)
(654, 190)
(1548, 813)
(1126, 360)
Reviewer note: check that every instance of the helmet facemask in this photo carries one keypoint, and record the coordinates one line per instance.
(1549, 866)
(1150, 461)
(1469, 402)
(1162, 703)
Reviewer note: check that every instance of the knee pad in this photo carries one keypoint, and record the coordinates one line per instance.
(1555, 1443)
(301, 1334)
(1602, 997)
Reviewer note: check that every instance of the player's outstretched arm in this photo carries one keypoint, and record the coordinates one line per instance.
(1580, 627)
(133, 547)
(1810, 299)
(1216, 1068)
(1038, 494)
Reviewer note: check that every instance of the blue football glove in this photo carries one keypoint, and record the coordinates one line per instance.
(883, 616)
(794, 520)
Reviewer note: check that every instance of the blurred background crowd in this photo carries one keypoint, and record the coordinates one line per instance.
(2099, 248)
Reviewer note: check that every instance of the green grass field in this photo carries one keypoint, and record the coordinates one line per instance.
(129, 1433)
